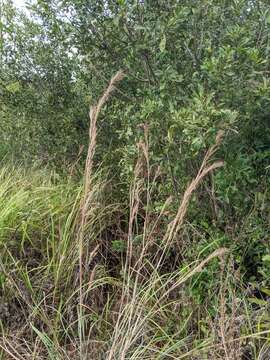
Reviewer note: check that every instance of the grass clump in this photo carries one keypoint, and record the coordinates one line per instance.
(83, 277)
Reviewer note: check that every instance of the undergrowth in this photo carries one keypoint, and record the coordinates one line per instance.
(83, 277)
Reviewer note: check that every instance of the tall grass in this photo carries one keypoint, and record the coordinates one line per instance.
(137, 311)
(67, 293)
(87, 197)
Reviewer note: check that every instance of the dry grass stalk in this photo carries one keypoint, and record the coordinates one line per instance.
(93, 115)
(128, 299)
(86, 197)
(17, 349)
(222, 317)
(205, 169)
(134, 202)
(133, 318)
(228, 322)
(143, 151)
(135, 193)
(142, 172)
(73, 166)
(221, 252)
(11, 352)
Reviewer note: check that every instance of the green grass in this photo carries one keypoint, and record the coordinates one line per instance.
(134, 307)
(83, 277)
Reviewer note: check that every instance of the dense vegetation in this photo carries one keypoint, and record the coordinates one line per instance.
(140, 229)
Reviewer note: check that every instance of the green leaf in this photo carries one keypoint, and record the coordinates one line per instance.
(258, 301)
(13, 87)
(118, 246)
(162, 44)
(265, 290)
(266, 258)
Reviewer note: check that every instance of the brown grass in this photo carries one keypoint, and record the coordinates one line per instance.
(86, 196)
(204, 170)
(131, 319)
